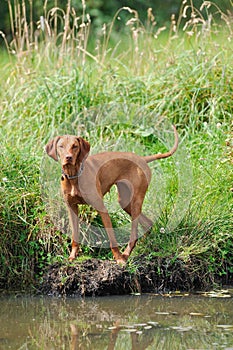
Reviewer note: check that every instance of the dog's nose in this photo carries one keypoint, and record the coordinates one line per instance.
(68, 158)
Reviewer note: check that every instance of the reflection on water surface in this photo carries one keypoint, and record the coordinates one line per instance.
(132, 322)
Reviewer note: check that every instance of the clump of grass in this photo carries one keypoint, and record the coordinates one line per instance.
(122, 97)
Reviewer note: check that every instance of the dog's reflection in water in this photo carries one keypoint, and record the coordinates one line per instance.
(139, 340)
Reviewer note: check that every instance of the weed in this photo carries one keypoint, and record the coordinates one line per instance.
(119, 97)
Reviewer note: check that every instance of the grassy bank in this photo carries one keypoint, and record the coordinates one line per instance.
(123, 96)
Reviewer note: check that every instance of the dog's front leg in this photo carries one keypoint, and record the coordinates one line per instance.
(74, 223)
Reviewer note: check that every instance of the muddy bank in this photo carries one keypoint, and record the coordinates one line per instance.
(96, 277)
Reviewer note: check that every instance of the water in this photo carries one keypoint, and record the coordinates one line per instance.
(131, 322)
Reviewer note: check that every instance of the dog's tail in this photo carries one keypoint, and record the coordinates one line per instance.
(149, 159)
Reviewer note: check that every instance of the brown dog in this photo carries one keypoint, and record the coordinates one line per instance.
(85, 180)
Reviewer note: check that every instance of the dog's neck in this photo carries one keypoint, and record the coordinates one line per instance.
(72, 172)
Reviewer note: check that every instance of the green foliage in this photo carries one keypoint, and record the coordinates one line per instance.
(120, 97)
(102, 11)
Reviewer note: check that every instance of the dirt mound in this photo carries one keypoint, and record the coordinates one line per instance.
(91, 277)
(96, 277)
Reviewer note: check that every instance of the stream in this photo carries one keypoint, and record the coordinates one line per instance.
(174, 321)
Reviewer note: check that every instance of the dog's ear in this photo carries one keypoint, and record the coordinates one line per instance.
(84, 148)
(51, 148)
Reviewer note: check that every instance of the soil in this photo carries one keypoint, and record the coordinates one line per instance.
(95, 277)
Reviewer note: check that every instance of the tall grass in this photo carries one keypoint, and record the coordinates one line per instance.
(120, 94)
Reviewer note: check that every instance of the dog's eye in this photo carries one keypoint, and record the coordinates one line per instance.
(61, 146)
(74, 146)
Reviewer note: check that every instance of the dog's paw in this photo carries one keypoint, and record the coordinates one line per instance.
(73, 256)
(122, 260)
(71, 259)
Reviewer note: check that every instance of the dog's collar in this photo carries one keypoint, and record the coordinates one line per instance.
(79, 173)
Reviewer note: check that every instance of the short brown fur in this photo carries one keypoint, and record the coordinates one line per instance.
(86, 179)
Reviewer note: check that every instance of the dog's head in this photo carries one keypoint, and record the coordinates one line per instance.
(70, 149)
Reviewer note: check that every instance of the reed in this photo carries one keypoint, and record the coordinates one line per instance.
(117, 92)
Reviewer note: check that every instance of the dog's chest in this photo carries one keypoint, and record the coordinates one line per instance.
(72, 193)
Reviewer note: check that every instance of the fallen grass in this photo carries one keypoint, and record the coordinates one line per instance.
(122, 100)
